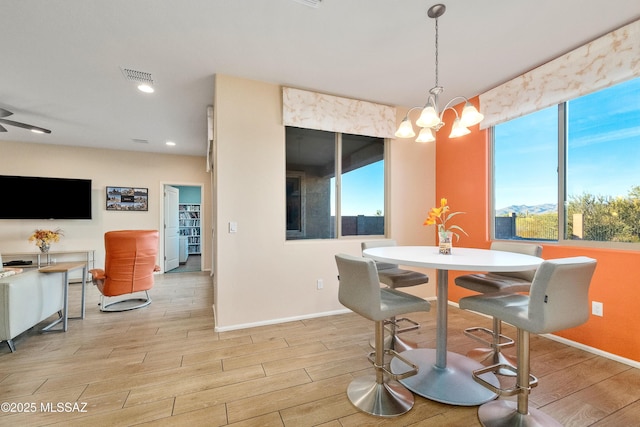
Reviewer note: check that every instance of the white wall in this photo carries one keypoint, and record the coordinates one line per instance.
(260, 277)
(104, 168)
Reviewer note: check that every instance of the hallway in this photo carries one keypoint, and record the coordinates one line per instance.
(192, 264)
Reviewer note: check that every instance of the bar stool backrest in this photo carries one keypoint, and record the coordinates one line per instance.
(380, 244)
(522, 248)
(559, 295)
(359, 288)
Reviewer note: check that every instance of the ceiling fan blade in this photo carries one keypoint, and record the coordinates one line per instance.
(24, 126)
(2, 129)
(5, 113)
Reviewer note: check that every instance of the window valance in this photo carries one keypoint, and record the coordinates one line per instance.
(311, 110)
(610, 59)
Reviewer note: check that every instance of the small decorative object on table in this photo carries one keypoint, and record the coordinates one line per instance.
(44, 238)
(440, 216)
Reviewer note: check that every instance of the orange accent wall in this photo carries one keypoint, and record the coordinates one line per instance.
(462, 176)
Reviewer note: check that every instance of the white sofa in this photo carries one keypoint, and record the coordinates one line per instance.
(27, 299)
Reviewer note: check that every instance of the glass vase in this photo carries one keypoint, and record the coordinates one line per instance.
(44, 247)
(445, 239)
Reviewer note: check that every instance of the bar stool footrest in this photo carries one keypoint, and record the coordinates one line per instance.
(398, 330)
(386, 368)
(495, 369)
(503, 340)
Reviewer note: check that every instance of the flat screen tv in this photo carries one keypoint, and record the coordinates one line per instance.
(30, 197)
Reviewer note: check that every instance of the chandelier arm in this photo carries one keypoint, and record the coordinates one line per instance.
(433, 99)
(449, 104)
(406, 116)
(450, 107)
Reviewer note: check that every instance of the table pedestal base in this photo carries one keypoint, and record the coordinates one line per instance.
(452, 385)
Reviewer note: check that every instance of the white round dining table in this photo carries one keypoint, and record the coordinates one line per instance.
(445, 376)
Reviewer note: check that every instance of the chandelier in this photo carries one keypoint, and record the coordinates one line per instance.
(430, 119)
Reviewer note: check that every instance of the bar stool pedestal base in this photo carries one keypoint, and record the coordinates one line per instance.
(504, 413)
(388, 399)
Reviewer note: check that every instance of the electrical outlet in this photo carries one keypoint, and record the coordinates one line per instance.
(319, 284)
(597, 308)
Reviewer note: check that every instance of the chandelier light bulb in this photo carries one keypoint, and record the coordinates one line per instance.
(405, 130)
(470, 115)
(428, 118)
(458, 129)
(426, 135)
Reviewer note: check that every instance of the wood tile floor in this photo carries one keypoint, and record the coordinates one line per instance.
(192, 264)
(164, 365)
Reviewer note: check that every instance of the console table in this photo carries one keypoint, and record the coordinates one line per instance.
(66, 267)
(43, 259)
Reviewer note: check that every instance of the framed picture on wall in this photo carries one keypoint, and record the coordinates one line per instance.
(127, 199)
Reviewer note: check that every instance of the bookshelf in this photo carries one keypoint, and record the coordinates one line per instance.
(189, 217)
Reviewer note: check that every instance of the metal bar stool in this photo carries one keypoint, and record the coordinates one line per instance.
(395, 277)
(488, 283)
(558, 299)
(359, 290)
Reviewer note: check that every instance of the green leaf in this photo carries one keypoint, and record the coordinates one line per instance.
(452, 214)
(455, 227)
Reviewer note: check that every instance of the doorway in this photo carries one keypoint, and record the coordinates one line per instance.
(183, 204)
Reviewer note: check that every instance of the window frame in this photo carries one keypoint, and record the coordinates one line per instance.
(300, 176)
(562, 202)
(293, 236)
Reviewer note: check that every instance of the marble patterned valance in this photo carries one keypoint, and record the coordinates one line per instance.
(608, 60)
(311, 110)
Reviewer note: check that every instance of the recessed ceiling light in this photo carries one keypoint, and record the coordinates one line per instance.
(170, 143)
(145, 88)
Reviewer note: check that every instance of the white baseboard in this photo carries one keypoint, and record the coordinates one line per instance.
(596, 351)
(277, 321)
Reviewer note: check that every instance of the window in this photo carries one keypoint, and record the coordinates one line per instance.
(603, 165)
(580, 162)
(525, 177)
(316, 208)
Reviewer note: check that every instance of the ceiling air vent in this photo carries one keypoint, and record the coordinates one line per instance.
(310, 3)
(140, 141)
(137, 76)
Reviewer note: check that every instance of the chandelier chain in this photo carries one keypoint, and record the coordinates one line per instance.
(436, 52)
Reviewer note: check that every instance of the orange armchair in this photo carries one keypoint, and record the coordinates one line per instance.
(130, 261)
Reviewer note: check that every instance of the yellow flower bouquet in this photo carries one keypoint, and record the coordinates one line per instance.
(44, 238)
(440, 217)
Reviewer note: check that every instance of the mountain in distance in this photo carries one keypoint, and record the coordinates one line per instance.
(526, 209)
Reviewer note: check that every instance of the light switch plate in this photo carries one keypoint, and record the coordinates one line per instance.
(597, 308)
